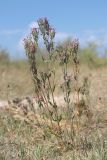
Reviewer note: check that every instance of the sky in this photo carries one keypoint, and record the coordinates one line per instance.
(83, 19)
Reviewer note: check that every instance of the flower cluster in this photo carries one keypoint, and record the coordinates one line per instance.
(74, 46)
(44, 25)
(47, 32)
(67, 51)
(29, 46)
(35, 34)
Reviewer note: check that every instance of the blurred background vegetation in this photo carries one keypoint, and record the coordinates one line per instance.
(89, 55)
(15, 77)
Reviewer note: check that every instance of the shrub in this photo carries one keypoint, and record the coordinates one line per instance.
(62, 122)
(4, 56)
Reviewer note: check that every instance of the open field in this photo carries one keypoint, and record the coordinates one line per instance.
(53, 80)
(19, 136)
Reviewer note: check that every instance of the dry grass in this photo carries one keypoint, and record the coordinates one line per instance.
(15, 81)
(21, 139)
